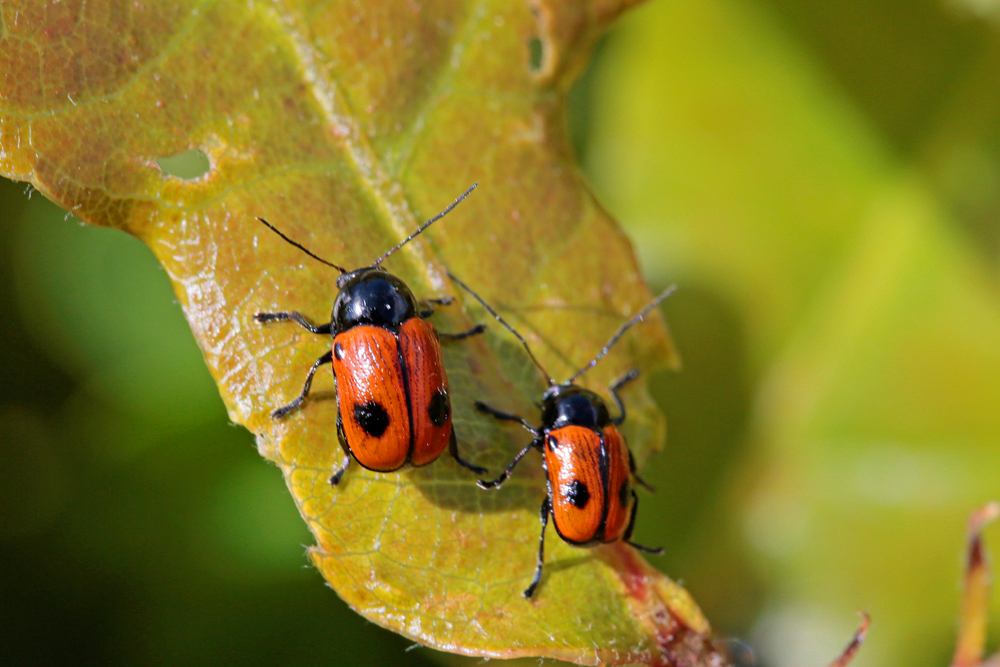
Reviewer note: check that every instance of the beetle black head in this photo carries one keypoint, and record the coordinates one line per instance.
(570, 405)
(372, 296)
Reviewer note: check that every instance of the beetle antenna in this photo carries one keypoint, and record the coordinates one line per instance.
(301, 247)
(424, 226)
(622, 329)
(503, 322)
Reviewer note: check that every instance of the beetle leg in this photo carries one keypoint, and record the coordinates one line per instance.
(642, 482)
(615, 386)
(443, 301)
(294, 317)
(530, 590)
(658, 551)
(429, 304)
(627, 538)
(339, 472)
(447, 301)
(635, 475)
(478, 329)
(341, 436)
(506, 473)
(453, 448)
(631, 519)
(503, 416)
(281, 412)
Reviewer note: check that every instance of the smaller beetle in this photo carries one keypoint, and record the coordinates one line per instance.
(588, 466)
(393, 404)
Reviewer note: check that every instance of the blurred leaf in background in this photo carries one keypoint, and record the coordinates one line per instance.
(825, 174)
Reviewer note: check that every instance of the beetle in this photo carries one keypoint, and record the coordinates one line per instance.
(393, 402)
(588, 466)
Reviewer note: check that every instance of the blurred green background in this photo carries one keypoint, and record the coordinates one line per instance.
(823, 182)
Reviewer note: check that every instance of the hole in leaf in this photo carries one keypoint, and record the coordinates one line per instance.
(188, 165)
(536, 54)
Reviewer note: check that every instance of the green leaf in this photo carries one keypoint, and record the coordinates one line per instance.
(346, 124)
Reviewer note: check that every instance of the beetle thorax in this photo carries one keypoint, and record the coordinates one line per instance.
(569, 405)
(372, 296)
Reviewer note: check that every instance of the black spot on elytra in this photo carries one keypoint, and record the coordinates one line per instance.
(577, 493)
(338, 351)
(553, 443)
(623, 493)
(439, 408)
(372, 417)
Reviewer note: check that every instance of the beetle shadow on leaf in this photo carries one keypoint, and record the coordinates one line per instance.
(453, 487)
(322, 396)
(587, 554)
(315, 398)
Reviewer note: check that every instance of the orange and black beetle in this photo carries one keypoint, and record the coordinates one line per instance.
(588, 465)
(393, 405)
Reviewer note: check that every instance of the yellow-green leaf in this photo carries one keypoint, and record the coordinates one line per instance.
(346, 124)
